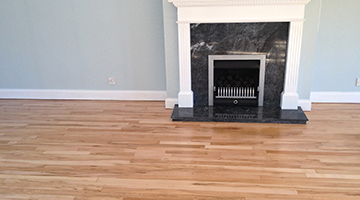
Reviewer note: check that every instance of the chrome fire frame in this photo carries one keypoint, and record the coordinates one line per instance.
(260, 57)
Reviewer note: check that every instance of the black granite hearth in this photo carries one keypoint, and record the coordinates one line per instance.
(239, 114)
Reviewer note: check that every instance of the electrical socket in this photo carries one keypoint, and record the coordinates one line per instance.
(357, 82)
(112, 80)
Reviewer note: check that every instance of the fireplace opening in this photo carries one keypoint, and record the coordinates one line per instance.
(236, 80)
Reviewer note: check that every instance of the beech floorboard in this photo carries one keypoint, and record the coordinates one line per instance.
(128, 150)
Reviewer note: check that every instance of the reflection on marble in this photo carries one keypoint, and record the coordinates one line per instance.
(266, 114)
(238, 39)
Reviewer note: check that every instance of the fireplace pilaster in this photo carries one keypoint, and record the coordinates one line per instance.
(289, 97)
(185, 97)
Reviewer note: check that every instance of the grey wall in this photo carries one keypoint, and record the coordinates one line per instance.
(77, 44)
(337, 57)
(312, 12)
(171, 49)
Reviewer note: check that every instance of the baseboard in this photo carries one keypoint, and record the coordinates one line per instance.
(335, 97)
(170, 102)
(83, 94)
(305, 104)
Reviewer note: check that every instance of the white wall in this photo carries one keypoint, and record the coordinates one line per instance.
(77, 44)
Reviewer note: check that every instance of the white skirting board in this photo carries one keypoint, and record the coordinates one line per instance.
(170, 102)
(317, 97)
(83, 94)
(335, 97)
(305, 104)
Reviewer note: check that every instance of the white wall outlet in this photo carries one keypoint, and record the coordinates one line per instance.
(112, 80)
(357, 82)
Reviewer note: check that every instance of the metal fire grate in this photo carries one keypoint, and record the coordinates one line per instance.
(235, 92)
(235, 116)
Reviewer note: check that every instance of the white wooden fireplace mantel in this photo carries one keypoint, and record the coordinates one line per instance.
(237, 11)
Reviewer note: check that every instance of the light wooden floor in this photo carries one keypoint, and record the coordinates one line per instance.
(106, 150)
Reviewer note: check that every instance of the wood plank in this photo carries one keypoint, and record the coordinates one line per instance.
(129, 150)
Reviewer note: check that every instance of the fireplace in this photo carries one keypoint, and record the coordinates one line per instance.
(236, 80)
(240, 11)
(270, 29)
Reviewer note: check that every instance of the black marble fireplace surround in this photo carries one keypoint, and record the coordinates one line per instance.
(238, 39)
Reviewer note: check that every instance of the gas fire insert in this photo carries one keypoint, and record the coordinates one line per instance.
(236, 80)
